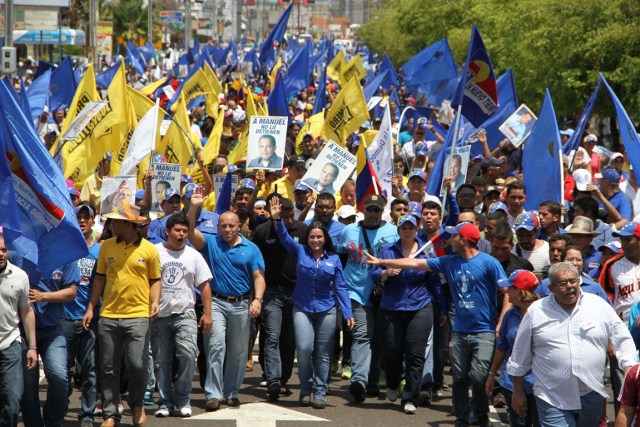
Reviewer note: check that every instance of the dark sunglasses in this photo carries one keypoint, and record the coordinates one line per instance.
(373, 209)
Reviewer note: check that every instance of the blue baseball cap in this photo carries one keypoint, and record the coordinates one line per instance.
(498, 206)
(614, 246)
(419, 174)
(77, 210)
(421, 149)
(611, 175)
(407, 218)
(300, 186)
(630, 229)
(186, 178)
(188, 189)
(169, 193)
(415, 209)
(247, 182)
(139, 194)
(528, 221)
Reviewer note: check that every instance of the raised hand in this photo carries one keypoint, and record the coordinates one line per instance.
(275, 208)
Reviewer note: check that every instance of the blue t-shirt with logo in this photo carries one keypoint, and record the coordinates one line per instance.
(74, 310)
(474, 289)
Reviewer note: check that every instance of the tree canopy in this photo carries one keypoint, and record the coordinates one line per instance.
(559, 44)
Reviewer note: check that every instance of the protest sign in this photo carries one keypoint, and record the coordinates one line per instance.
(330, 170)
(267, 139)
(457, 166)
(165, 175)
(115, 189)
(218, 180)
(82, 119)
(518, 126)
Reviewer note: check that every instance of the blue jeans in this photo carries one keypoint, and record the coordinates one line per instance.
(279, 343)
(314, 344)
(427, 370)
(470, 356)
(226, 347)
(81, 343)
(11, 384)
(361, 366)
(52, 348)
(588, 416)
(117, 337)
(175, 334)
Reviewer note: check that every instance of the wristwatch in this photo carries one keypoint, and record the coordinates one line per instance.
(260, 299)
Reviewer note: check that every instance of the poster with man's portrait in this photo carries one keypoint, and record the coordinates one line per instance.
(115, 189)
(165, 175)
(267, 140)
(519, 125)
(456, 166)
(330, 170)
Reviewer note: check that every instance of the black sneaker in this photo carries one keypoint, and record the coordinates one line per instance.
(425, 397)
(357, 391)
(274, 391)
(373, 390)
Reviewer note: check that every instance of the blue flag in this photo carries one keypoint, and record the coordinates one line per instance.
(39, 196)
(628, 132)
(135, 58)
(321, 94)
(38, 93)
(477, 90)
(267, 51)
(541, 162)
(62, 87)
(42, 67)
(148, 51)
(574, 140)
(372, 88)
(508, 99)
(392, 76)
(277, 99)
(224, 199)
(298, 72)
(103, 80)
(24, 104)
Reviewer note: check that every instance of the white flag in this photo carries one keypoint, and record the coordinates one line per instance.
(143, 141)
(381, 153)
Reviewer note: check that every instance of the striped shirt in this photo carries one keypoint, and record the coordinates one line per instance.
(567, 351)
(625, 277)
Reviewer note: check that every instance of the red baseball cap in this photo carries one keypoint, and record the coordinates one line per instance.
(521, 279)
(466, 230)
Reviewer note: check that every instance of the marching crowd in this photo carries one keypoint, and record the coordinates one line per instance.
(526, 306)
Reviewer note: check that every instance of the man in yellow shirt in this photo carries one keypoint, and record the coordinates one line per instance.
(92, 187)
(128, 281)
(296, 170)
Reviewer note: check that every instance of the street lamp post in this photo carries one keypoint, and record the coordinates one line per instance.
(187, 24)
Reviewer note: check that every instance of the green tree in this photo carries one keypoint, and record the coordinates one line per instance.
(559, 44)
(130, 20)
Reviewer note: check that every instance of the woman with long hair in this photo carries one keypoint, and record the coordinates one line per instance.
(319, 281)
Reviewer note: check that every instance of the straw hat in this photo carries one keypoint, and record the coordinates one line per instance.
(126, 211)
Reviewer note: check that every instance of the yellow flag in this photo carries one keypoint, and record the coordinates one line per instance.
(347, 113)
(211, 76)
(274, 72)
(152, 87)
(354, 68)
(314, 125)
(209, 152)
(196, 86)
(368, 136)
(121, 133)
(241, 149)
(179, 144)
(335, 66)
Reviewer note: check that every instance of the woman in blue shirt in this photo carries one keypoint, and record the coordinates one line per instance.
(521, 286)
(406, 315)
(319, 281)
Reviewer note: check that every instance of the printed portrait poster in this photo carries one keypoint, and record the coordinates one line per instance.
(82, 119)
(165, 175)
(116, 188)
(519, 125)
(330, 170)
(267, 140)
(218, 180)
(456, 166)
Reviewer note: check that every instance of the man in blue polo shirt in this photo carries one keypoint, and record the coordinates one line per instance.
(47, 293)
(617, 204)
(323, 212)
(238, 272)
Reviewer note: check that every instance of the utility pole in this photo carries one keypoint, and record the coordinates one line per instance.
(8, 23)
(150, 21)
(93, 33)
(187, 24)
(238, 19)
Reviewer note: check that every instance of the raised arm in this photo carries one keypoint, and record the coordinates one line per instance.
(275, 209)
(401, 263)
(195, 236)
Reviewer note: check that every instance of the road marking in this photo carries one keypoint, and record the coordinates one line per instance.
(258, 414)
(494, 417)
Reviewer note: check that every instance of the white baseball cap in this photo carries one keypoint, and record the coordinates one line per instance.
(582, 178)
(346, 211)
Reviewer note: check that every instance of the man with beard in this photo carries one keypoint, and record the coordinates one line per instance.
(324, 212)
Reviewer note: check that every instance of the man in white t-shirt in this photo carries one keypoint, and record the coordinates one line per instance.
(183, 269)
(535, 250)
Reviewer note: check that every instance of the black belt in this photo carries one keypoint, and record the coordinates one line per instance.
(231, 299)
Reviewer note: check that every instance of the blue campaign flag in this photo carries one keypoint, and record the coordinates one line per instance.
(42, 67)
(277, 99)
(103, 80)
(39, 197)
(297, 77)
(574, 140)
(392, 75)
(628, 132)
(24, 103)
(234, 52)
(371, 88)
(267, 51)
(62, 86)
(541, 159)
(252, 58)
(9, 84)
(224, 199)
(38, 93)
(508, 100)
(477, 91)
(321, 94)
(135, 58)
(148, 51)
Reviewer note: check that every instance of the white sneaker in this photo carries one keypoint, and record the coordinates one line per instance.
(184, 412)
(161, 412)
(410, 408)
(392, 395)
